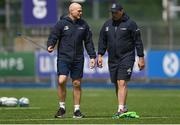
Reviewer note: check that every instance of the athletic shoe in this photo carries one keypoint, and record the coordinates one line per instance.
(78, 114)
(60, 113)
(125, 115)
(119, 114)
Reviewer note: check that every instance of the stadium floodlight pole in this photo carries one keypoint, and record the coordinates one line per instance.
(30, 40)
(170, 27)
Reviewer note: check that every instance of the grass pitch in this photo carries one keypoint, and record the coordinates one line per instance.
(153, 107)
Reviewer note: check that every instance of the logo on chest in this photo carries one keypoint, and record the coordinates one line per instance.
(123, 28)
(80, 28)
(66, 27)
(107, 29)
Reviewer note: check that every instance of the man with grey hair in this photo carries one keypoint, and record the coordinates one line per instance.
(72, 32)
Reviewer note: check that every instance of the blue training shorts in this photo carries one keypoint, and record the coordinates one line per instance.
(121, 71)
(74, 68)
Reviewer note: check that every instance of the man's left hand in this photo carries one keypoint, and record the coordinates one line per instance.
(92, 63)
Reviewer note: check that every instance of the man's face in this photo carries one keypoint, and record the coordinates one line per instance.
(77, 12)
(117, 15)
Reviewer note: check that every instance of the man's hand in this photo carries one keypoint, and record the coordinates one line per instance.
(92, 63)
(141, 63)
(50, 49)
(100, 61)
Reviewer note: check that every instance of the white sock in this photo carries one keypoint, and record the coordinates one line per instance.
(122, 107)
(76, 107)
(62, 105)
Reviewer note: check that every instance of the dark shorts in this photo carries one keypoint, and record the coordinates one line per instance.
(121, 71)
(74, 68)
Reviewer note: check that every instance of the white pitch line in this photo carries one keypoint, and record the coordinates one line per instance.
(57, 119)
(18, 108)
(67, 119)
(160, 95)
(156, 117)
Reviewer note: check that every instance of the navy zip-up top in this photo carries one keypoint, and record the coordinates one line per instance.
(71, 35)
(120, 38)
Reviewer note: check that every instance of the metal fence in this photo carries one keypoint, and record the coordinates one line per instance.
(154, 36)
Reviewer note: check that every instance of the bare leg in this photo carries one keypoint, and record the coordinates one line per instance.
(77, 91)
(122, 92)
(62, 79)
(62, 87)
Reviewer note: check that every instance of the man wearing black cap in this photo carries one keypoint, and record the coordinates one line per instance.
(120, 36)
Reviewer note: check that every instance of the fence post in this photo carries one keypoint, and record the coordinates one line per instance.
(53, 74)
(149, 38)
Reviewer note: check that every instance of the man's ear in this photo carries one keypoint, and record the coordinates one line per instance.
(122, 11)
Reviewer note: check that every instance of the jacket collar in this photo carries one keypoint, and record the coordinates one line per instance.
(70, 20)
(125, 17)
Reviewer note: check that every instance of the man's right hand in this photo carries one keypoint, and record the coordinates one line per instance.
(141, 63)
(100, 61)
(50, 49)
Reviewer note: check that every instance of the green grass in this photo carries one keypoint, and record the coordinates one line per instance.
(153, 106)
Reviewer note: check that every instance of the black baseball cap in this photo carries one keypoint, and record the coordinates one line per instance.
(116, 7)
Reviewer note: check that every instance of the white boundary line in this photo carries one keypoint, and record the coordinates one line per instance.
(18, 108)
(73, 119)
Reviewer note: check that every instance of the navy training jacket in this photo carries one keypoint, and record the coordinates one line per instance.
(70, 36)
(121, 39)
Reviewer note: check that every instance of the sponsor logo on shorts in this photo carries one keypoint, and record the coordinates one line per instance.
(129, 71)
